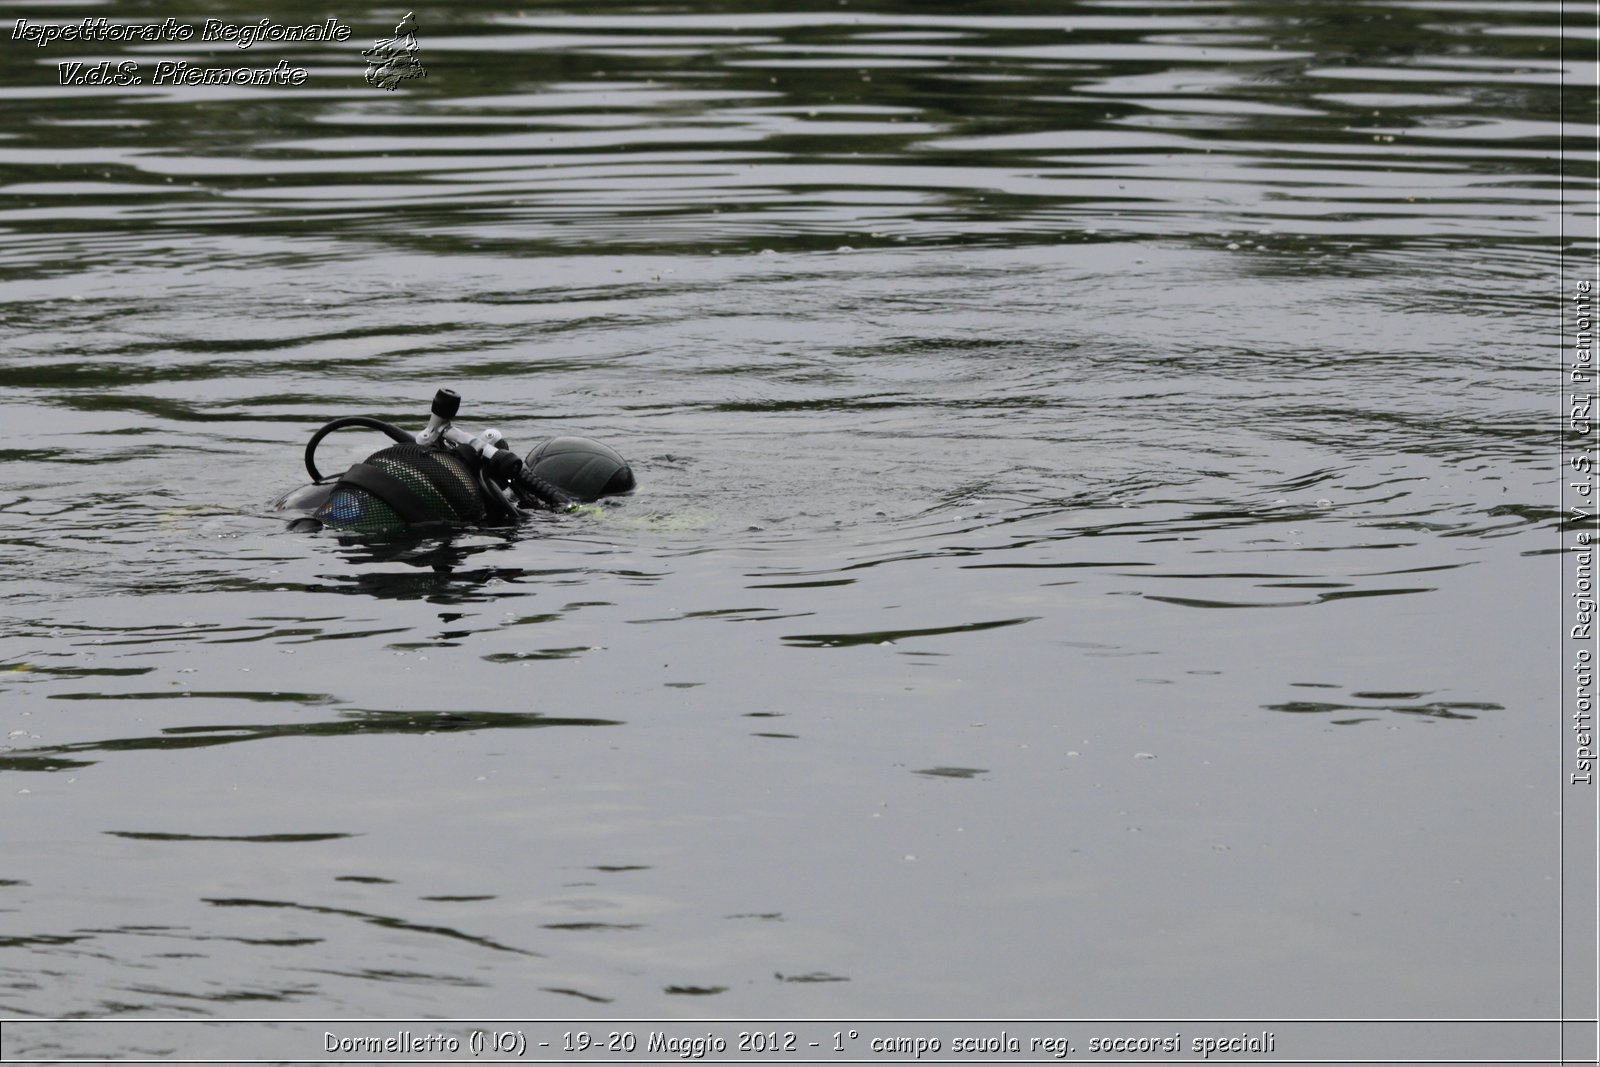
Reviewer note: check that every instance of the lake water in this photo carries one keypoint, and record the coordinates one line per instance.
(1097, 553)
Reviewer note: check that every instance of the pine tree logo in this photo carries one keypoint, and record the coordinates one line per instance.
(392, 60)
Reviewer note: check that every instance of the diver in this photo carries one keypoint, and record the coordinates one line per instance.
(444, 477)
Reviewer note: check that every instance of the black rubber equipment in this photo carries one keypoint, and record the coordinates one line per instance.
(453, 479)
(586, 469)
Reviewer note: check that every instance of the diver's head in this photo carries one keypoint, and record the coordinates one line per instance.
(587, 470)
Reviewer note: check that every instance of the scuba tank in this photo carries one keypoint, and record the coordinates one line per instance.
(444, 477)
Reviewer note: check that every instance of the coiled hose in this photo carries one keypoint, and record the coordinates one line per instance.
(366, 421)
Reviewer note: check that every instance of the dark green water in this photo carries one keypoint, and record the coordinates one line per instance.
(1096, 553)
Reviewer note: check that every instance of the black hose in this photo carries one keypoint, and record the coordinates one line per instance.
(506, 468)
(492, 499)
(366, 421)
(547, 493)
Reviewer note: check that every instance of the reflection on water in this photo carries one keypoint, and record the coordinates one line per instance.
(54, 758)
(638, 131)
(1051, 425)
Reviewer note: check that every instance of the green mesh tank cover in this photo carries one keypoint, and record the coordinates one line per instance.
(401, 487)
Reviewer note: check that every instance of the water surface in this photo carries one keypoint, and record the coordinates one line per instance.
(1093, 558)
